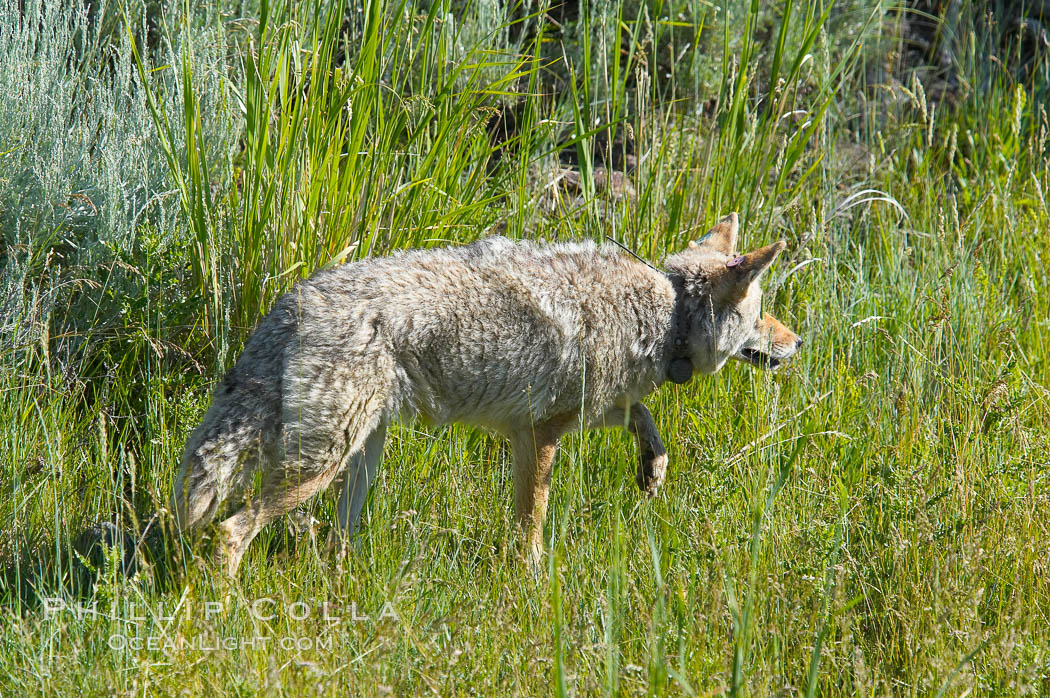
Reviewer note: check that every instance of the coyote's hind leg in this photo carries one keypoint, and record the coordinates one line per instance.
(354, 484)
(299, 477)
(238, 531)
(327, 417)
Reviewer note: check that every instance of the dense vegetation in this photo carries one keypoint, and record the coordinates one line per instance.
(872, 519)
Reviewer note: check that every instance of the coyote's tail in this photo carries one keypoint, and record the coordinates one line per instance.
(222, 455)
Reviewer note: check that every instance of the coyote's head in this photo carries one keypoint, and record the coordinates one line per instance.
(720, 312)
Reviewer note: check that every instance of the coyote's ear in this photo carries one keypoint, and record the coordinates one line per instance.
(750, 266)
(722, 238)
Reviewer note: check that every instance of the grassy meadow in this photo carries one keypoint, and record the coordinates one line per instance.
(872, 519)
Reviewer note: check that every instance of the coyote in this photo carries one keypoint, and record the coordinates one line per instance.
(528, 340)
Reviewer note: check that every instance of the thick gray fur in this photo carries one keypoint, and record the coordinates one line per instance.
(524, 339)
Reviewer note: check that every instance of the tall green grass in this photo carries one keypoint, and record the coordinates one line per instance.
(341, 151)
(867, 521)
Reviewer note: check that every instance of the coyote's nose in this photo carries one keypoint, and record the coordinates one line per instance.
(798, 343)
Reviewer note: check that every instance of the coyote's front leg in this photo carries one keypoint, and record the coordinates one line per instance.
(533, 448)
(652, 456)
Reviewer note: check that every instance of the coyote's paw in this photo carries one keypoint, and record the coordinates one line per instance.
(651, 471)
